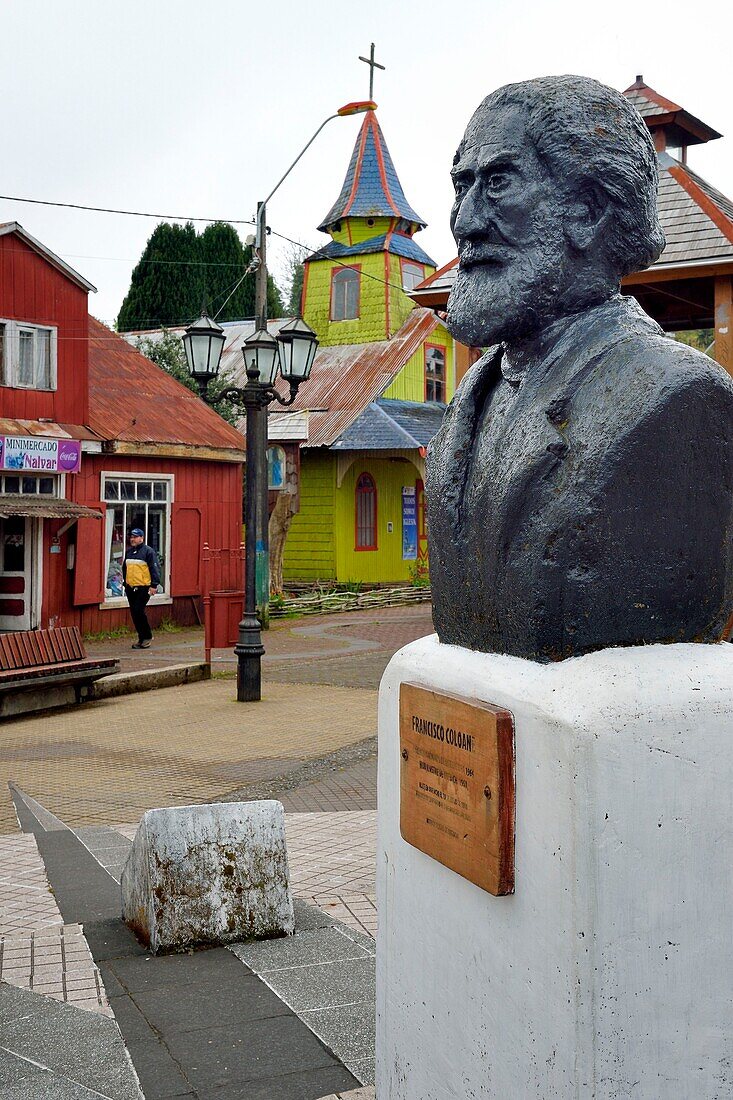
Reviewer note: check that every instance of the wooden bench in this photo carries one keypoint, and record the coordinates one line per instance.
(44, 661)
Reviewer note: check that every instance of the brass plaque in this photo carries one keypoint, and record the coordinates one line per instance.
(457, 785)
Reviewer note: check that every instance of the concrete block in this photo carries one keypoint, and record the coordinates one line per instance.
(607, 973)
(208, 874)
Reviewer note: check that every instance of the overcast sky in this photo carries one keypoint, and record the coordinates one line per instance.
(191, 109)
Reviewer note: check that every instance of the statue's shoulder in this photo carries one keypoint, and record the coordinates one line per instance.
(671, 369)
(648, 370)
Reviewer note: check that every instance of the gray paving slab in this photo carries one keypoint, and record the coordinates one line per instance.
(327, 977)
(325, 985)
(245, 1000)
(263, 1050)
(319, 946)
(308, 1085)
(349, 1030)
(80, 1047)
(160, 1074)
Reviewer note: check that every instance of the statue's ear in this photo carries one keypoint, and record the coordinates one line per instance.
(587, 216)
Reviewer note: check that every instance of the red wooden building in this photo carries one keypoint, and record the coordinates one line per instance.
(94, 440)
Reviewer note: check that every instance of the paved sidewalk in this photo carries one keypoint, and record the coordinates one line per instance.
(303, 650)
(311, 743)
(110, 761)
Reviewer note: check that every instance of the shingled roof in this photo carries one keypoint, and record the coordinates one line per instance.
(371, 188)
(392, 425)
(658, 111)
(397, 243)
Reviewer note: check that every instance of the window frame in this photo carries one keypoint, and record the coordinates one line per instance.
(277, 488)
(10, 366)
(405, 263)
(359, 494)
(430, 376)
(342, 270)
(159, 598)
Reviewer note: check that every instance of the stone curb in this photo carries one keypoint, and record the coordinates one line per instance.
(147, 679)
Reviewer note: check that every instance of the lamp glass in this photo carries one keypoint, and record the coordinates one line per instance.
(298, 345)
(203, 343)
(261, 358)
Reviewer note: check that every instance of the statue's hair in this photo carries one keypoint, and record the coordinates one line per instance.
(587, 133)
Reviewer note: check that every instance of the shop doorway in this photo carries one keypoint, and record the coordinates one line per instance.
(19, 580)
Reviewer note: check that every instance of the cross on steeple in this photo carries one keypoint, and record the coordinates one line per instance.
(372, 66)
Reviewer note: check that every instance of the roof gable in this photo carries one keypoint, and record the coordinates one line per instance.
(47, 254)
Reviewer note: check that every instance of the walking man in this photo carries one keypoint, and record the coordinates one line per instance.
(142, 576)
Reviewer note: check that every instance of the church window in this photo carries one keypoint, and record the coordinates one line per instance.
(412, 274)
(345, 294)
(366, 513)
(434, 373)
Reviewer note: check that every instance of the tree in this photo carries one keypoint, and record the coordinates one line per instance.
(294, 276)
(179, 269)
(168, 354)
(167, 285)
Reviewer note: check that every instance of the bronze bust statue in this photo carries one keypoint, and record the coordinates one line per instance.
(580, 489)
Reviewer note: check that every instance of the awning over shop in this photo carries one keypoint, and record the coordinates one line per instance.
(44, 508)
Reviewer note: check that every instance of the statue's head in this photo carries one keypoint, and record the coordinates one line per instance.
(556, 187)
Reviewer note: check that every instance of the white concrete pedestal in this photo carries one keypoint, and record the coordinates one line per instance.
(608, 974)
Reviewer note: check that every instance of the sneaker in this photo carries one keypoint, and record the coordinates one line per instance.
(140, 645)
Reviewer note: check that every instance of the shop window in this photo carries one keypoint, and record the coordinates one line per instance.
(345, 294)
(412, 274)
(29, 485)
(434, 373)
(142, 502)
(275, 467)
(366, 513)
(27, 356)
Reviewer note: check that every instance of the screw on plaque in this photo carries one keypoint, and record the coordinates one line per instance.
(487, 792)
(405, 754)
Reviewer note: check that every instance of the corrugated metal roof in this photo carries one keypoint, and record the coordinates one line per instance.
(397, 243)
(235, 333)
(371, 187)
(46, 428)
(347, 377)
(46, 507)
(388, 425)
(133, 400)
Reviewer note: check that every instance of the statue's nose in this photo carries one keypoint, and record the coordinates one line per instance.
(468, 220)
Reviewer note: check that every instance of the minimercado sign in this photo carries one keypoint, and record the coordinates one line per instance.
(40, 454)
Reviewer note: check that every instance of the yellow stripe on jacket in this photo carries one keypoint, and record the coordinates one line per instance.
(137, 573)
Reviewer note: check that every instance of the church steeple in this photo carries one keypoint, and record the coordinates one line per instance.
(371, 187)
(354, 287)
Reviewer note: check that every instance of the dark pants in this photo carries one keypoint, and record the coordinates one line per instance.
(138, 601)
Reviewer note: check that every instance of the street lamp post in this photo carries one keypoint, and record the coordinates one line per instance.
(291, 355)
(358, 107)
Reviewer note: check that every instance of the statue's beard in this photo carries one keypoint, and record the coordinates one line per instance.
(510, 300)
